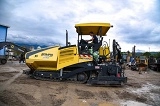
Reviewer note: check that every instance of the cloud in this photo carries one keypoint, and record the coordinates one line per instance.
(136, 22)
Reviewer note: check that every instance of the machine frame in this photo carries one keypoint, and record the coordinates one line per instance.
(82, 70)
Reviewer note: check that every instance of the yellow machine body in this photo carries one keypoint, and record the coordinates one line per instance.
(104, 50)
(143, 60)
(55, 58)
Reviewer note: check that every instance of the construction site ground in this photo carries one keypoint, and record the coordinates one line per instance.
(17, 89)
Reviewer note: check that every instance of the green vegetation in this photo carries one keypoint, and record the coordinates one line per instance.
(147, 54)
(157, 55)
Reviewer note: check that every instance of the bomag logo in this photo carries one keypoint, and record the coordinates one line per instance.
(47, 54)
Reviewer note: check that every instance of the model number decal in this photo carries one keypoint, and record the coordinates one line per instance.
(46, 55)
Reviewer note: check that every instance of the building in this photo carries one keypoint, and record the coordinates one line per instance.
(3, 37)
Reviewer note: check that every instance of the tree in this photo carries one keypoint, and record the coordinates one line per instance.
(157, 55)
(147, 54)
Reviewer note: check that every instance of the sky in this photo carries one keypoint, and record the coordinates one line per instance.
(44, 22)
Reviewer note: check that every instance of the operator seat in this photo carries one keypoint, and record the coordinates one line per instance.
(97, 46)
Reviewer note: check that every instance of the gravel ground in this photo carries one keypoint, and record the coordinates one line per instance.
(17, 89)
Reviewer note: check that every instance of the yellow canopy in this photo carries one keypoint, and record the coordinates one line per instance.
(96, 28)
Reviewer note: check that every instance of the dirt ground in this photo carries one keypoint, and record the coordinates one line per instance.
(17, 89)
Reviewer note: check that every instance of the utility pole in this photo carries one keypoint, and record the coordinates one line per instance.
(109, 42)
